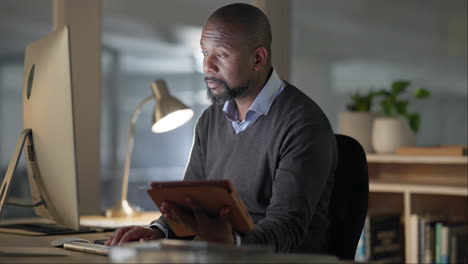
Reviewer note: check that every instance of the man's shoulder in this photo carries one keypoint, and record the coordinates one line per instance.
(213, 109)
(211, 113)
(293, 104)
(295, 96)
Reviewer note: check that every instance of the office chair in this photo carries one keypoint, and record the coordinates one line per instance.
(349, 198)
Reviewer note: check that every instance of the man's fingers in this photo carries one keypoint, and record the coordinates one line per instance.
(143, 239)
(164, 207)
(179, 215)
(118, 234)
(115, 238)
(193, 203)
(109, 240)
(184, 217)
(132, 234)
(224, 214)
(197, 209)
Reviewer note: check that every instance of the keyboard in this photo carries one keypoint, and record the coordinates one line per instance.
(87, 247)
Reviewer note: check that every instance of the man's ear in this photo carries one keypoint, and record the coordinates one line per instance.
(260, 58)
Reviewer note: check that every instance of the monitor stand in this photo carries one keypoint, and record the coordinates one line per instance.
(26, 135)
(34, 226)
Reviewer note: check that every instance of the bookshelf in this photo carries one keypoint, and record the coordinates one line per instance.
(416, 185)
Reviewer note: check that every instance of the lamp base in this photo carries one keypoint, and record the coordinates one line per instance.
(123, 209)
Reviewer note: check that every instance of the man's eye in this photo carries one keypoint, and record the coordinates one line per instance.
(204, 53)
(221, 55)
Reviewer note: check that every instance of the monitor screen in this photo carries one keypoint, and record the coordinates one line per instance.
(48, 120)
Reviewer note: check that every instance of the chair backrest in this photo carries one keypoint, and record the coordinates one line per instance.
(349, 199)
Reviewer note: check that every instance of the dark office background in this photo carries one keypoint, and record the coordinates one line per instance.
(337, 47)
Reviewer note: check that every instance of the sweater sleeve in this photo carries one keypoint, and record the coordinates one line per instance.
(161, 224)
(196, 166)
(306, 164)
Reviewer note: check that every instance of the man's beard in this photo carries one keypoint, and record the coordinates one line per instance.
(229, 93)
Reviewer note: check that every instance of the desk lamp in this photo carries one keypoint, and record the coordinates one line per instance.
(169, 114)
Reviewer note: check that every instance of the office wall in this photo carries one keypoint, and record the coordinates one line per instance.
(342, 46)
(20, 23)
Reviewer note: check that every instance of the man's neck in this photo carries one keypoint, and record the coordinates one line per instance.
(244, 103)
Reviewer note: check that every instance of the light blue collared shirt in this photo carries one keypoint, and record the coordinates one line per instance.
(260, 106)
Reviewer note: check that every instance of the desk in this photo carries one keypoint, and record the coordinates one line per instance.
(79, 257)
(12, 240)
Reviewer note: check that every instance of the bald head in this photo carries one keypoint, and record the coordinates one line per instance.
(249, 21)
(235, 44)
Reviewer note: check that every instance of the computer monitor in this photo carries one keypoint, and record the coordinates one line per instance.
(48, 133)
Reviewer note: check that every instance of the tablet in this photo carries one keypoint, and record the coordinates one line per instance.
(212, 194)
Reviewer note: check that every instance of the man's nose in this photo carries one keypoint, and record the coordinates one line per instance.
(209, 65)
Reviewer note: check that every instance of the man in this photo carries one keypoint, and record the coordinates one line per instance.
(271, 140)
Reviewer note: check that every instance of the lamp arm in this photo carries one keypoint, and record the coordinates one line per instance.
(128, 155)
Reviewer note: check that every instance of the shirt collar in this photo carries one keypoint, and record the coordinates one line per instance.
(262, 102)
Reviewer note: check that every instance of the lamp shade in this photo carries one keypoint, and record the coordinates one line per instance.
(169, 112)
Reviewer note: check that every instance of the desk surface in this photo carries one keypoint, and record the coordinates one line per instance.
(12, 240)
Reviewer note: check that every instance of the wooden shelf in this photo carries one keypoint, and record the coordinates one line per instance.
(378, 158)
(417, 188)
(416, 185)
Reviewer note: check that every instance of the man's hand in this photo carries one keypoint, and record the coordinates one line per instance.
(133, 233)
(208, 228)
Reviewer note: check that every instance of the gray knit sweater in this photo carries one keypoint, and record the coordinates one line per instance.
(282, 167)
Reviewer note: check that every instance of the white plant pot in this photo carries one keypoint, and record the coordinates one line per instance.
(357, 125)
(390, 133)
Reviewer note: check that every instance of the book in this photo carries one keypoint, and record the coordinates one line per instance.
(441, 243)
(438, 238)
(458, 243)
(367, 244)
(430, 242)
(383, 238)
(444, 254)
(447, 150)
(438, 242)
(361, 248)
(421, 239)
(213, 196)
(412, 247)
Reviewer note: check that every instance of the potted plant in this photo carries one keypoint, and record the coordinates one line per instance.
(395, 126)
(357, 121)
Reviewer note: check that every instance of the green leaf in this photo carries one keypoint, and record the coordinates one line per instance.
(392, 106)
(355, 96)
(421, 93)
(400, 106)
(382, 92)
(387, 108)
(399, 86)
(414, 121)
(361, 106)
(361, 102)
(351, 108)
